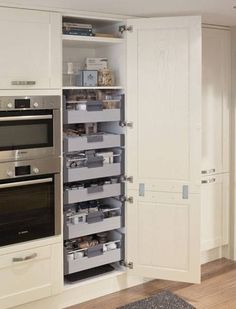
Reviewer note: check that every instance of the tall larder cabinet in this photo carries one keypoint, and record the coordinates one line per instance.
(169, 138)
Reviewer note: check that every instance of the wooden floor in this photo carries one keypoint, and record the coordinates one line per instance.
(217, 290)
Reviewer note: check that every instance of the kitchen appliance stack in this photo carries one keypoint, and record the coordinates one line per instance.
(30, 168)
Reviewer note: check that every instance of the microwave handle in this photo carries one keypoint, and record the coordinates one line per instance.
(20, 118)
(25, 183)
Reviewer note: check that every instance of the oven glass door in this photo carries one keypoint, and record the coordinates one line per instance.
(27, 209)
(26, 129)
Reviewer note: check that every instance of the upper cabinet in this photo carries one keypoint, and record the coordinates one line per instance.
(216, 101)
(30, 54)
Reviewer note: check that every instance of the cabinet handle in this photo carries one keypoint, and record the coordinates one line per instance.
(26, 258)
(204, 172)
(208, 181)
(23, 82)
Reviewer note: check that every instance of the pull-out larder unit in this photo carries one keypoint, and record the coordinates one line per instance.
(93, 181)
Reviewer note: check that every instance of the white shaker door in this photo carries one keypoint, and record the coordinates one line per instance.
(30, 53)
(215, 195)
(164, 147)
(216, 101)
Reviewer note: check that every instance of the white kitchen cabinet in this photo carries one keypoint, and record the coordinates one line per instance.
(214, 211)
(30, 55)
(216, 100)
(30, 275)
(163, 148)
(216, 115)
(169, 140)
(173, 140)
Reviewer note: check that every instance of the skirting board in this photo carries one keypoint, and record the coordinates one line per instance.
(214, 254)
(87, 290)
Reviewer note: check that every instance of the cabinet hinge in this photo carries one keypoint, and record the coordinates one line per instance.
(127, 264)
(128, 179)
(125, 28)
(128, 199)
(130, 265)
(129, 124)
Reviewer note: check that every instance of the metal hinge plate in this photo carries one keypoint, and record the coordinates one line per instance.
(128, 199)
(124, 28)
(130, 265)
(129, 124)
(141, 189)
(185, 192)
(128, 179)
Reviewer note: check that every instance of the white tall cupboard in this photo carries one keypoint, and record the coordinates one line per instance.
(167, 146)
(216, 108)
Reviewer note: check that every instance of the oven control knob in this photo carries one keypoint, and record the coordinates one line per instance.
(9, 105)
(35, 170)
(10, 173)
(36, 104)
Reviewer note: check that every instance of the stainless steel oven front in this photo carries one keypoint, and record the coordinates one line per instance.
(30, 200)
(30, 127)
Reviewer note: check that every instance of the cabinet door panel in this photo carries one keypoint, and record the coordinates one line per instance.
(38, 275)
(216, 100)
(164, 147)
(30, 49)
(215, 212)
(160, 233)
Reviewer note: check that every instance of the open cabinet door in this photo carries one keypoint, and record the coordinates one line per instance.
(164, 147)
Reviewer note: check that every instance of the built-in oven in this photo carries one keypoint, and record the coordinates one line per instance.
(30, 200)
(30, 127)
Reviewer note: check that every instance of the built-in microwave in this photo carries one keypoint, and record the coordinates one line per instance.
(30, 127)
(30, 200)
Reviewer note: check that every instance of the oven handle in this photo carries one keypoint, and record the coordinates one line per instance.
(20, 118)
(25, 183)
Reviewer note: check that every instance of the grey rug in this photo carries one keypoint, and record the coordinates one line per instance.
(163, 300)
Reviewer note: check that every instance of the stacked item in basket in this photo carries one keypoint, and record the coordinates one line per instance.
(91, 184)
(80, 159)
(77, 248)
(78, 213)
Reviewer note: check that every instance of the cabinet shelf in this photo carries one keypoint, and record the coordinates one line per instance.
(89, 41)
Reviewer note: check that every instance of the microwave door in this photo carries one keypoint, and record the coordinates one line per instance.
(26, 136)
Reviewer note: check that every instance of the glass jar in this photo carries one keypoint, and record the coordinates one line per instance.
(105, 78)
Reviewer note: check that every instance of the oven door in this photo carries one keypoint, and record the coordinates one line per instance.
(27, 209)
(29, 134)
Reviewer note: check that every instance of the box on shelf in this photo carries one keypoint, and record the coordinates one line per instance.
(90, 78)
(96, 63)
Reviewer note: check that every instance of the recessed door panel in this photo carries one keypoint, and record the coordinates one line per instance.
(164, 147)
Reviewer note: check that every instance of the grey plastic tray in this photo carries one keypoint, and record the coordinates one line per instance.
(73, 116)
(88, 194)
(84, 173)
(90, 142)
(91, 262)
(82, 229)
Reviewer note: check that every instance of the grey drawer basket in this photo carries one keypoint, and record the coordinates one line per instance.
(82, 195)
(84, 173)
(86, 143)
(91, 262)
(82, 229)
(73, 116)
